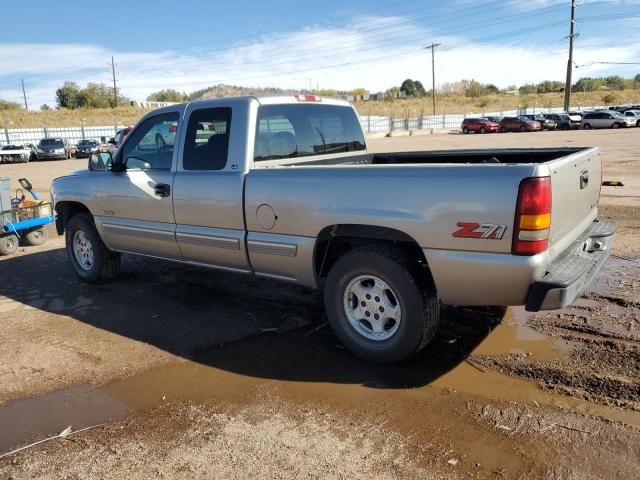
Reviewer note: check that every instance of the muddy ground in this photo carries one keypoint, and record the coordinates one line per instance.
(199, 374)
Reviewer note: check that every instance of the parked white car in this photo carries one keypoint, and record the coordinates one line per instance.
(635, 114)
(606, 119)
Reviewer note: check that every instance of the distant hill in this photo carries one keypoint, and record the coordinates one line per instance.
(223, 90)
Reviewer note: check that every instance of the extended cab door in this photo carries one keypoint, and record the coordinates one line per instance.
(209, 185)
(135, 201)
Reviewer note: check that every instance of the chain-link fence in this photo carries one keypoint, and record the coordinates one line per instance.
(371, 124)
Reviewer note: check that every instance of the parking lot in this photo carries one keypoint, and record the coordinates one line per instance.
(199, 372)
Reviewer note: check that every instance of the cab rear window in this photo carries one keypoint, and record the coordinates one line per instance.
(298, 130)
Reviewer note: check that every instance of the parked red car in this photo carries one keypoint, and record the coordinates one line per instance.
(519, 124)
(479, 125)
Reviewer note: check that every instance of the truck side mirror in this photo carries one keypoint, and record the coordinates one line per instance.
(100, 162)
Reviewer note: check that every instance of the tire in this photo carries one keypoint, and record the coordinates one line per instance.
(396, 279)
(523, 128)
(90, 258)
(465, 130)
(587, 126)
(503, 129)
(483, 131)
(615, 125)
(9, 244)
(638, 123)
(160, 143)
(36, 237)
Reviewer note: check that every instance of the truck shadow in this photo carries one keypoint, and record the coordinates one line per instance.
(253, 327)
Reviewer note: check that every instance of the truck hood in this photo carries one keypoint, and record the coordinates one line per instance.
(77, 173)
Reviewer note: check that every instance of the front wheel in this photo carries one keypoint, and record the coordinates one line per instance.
(465, 130)
(615, 125)
(381, 305)
(9, 244)
(90, 258)
(483, 131)
(503, 129)
(523, 128)
(587, 126)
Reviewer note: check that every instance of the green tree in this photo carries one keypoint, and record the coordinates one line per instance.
(609, 98)
(527, 89)
(359, 91)
(614, 82)
(167, 95)
(412, 88)
(391, 93)
(7, 105)
(67, 95)
(45, 107)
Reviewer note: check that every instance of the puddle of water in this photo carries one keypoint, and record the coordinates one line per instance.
(36, 418)
(514, 336)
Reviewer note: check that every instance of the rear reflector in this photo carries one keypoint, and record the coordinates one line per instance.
(533, 217)
(308, 98)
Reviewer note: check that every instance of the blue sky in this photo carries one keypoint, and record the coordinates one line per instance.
(334, 44)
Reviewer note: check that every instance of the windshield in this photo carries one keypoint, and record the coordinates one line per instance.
(87, 143)
(12, 147)
(617, 114)
(51, 142)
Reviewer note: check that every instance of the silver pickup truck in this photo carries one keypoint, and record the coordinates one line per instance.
(285, 188)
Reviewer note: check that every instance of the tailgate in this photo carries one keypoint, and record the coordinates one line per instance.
(575, 190)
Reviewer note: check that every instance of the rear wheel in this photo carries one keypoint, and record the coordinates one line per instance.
(36, 237)
(9, 244)
(587, 126)
(383, 307)
(465, 130)
(90, 258)
(523, 128)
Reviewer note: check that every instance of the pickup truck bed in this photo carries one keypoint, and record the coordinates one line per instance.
(285, 188)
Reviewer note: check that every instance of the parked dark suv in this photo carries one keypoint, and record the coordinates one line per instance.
(545, 123)
(479, 125)
(519, 124)
(86, 148)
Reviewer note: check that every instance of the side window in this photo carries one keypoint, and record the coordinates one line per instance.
(207, 139)
(150, 146)
(301, 130)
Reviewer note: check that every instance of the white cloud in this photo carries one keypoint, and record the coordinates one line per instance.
(375, 53)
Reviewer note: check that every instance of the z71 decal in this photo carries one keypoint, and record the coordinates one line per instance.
(477, 230)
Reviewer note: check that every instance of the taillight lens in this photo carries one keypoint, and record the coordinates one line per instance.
(173, 128)
(533, 217)
(308, 98)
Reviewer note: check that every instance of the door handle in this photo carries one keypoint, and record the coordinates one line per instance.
(162, 190)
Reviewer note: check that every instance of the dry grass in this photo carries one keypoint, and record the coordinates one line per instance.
(460, 104)
(451, 104)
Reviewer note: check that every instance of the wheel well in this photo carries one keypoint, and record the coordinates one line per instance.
(336, 240)
(65, 211)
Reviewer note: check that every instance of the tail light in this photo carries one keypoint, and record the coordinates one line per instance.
(172, 128)
(533, 217)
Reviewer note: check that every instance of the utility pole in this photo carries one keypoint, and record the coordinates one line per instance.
(567, 86)
(433, 73)
(115, 89)
(24, 95)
